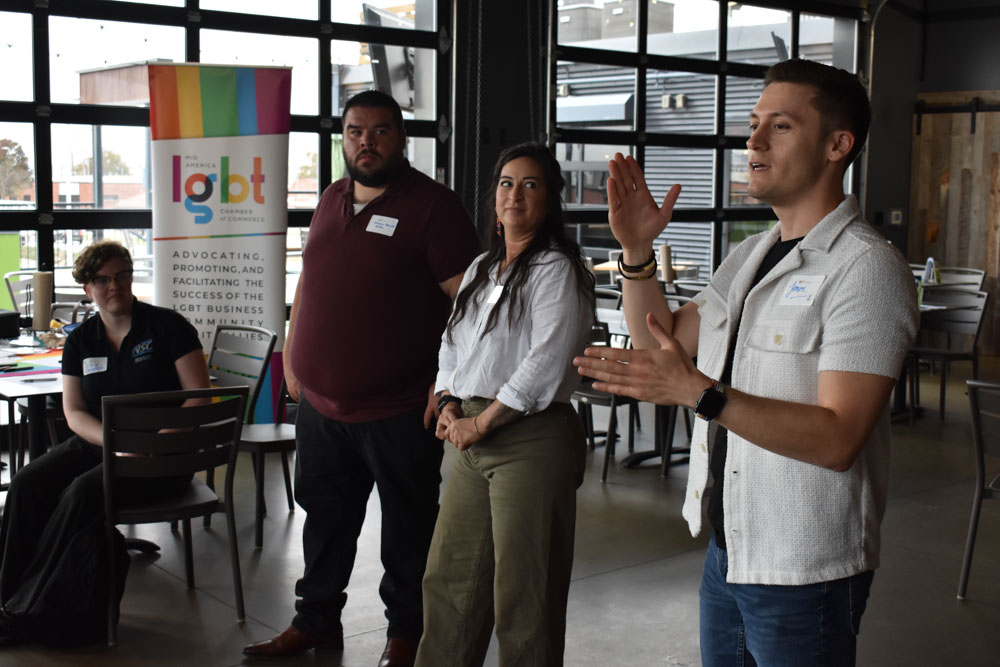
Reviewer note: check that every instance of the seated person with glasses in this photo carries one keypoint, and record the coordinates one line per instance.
(53, 573)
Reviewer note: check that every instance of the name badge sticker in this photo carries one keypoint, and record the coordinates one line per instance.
(93, 365)
(800, 290)
(382, 224)
(495, 294)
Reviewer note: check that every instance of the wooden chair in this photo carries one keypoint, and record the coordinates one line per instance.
(984, 403)
(154, 435)
(961, 314)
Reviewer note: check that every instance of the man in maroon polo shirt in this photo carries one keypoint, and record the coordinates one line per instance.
(386, 253)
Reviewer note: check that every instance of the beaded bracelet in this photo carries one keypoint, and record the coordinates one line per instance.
(625, 269)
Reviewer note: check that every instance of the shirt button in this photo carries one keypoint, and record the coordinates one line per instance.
(777, 339)
(696, 493)
(703, 448)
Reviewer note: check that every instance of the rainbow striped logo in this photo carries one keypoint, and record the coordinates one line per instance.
(191, 101)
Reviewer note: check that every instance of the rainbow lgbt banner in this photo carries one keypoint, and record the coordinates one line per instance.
(220, 191)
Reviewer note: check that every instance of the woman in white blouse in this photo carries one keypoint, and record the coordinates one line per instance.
(502, 550)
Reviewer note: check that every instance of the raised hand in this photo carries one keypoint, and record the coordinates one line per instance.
(665, 376)
(635, 218)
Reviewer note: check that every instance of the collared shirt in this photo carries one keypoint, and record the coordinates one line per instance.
(144, 362)
(842, 300)
(371, 309)
(527, 364)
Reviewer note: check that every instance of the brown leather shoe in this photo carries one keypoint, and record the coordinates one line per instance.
(293, 642)
(399, 652)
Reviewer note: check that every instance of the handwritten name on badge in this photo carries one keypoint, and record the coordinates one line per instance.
(801, 290)
(382, 224)
(93, 365)
(495, 294)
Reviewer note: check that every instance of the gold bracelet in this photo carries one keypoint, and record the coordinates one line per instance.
(476, 424)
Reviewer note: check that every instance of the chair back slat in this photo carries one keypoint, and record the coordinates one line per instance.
(183, 440)
(607, 298)
(162, 466)
(20, 286)
(151, 417)
(984, 401)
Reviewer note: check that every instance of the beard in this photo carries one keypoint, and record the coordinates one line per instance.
(377, 177)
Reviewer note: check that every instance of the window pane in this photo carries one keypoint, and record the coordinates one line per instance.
(420, 151)
(386, 13)
(692, 30)
(680, 102)
(691, 167)
(102, 62)
(585, 168)
(737, 173)
(829, 40)
(299, 53)
(606, 25)
(69, 243)
(595, 96)
(29, 250)
(741, 97)
(736, 231)
(296, 9)
(17, 167)
(303, 181)
(690, 248)
(119, 180)
(405, 72)
(758, 35)
(15, 57)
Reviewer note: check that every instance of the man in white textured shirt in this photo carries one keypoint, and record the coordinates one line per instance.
(799, 337)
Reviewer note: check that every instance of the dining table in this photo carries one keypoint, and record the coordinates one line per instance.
(32, 372)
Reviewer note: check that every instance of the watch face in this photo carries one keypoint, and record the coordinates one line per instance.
(710, 404)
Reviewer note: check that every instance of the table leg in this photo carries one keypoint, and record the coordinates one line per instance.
(36, 415)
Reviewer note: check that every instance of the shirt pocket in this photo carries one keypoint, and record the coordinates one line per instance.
(785, 336)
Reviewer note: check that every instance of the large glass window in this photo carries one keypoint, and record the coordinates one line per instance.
(92, 122)
(693, 126)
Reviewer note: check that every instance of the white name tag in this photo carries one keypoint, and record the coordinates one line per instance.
(93, 365)
(800, 290)
(495, 294)
(381, 224)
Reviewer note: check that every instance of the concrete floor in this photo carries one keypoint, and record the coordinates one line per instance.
(634, 598)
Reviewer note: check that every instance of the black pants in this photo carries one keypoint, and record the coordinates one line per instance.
(52, 542)
(336, 466)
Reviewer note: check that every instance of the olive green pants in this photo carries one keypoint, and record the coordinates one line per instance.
(502, 550)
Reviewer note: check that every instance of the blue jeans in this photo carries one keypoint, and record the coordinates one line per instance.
(773, 626)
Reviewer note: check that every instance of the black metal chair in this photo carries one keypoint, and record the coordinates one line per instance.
(961, 315)
(240, 355)
(984, 403)
(155, 435)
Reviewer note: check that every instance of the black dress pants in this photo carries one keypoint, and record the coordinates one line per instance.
(52, 542)
(336, 466)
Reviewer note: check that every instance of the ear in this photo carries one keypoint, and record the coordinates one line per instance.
(842, 141)
(86, 290)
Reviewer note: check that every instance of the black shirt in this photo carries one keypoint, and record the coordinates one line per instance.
(145, 360)
(721, 445)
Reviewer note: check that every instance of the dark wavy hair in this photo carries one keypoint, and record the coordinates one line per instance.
(94, 256)
(550, 235)
(840, 98)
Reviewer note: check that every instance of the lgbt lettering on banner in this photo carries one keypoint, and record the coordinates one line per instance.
(220, 166)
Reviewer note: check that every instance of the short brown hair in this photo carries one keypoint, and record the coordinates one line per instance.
(94, 256)
(840, 98)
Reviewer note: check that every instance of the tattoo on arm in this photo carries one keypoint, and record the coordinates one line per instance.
(504, 415)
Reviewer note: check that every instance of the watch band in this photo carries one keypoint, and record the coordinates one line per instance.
(446, 399)
(711, 402)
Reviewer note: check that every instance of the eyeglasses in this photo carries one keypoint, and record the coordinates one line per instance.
(123, 277)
